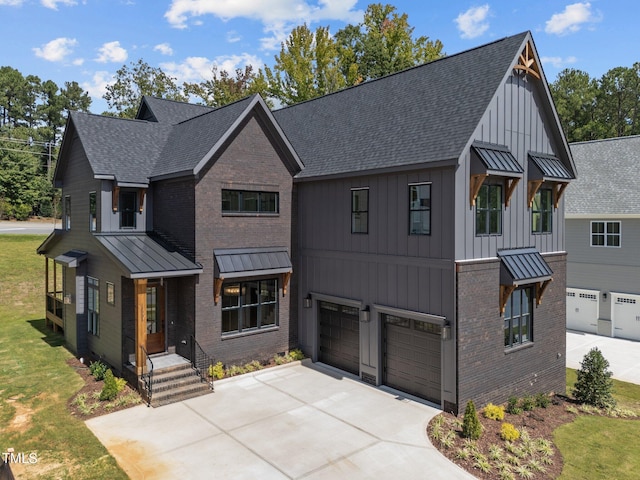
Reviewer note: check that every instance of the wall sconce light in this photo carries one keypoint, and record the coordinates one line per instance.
(446, 332)
(604, 295)
(366, 314)
(306, 301)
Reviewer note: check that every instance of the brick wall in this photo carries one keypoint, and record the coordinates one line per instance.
(486, 371)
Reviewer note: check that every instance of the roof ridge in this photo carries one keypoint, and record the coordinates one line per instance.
(217, 109)
(100, 115)
(623, 137)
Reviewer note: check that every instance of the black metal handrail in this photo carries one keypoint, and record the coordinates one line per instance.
(201, 362)
(147, 378)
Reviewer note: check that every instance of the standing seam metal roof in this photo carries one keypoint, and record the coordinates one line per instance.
(525, 265)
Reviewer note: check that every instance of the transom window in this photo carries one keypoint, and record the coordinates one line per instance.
(605, 234)
(93, 220)
(128, 207)
(542, 211)
(489, 210)
(420, 209)
(248, 306)
(243, 201)
(93, 305)
(67, 213)
(360, 210)
(518, 317)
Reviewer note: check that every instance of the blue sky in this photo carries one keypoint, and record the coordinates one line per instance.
(88, 40)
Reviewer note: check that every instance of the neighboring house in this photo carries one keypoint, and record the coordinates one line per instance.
(409, 230)
(603, 239)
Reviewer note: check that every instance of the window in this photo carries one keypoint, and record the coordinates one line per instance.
(93, 219)
(240, 201)
(489, 210)
(542, 211)
(420, 209)
(248, 306)
(360, 210)
(518, 318)
(67, 213)
(605, 234)
(93, 305)
(111, 293)
(128, 206)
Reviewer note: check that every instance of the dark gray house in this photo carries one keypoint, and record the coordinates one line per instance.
(409, 230)
(603, 239)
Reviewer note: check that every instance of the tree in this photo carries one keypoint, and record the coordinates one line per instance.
(12, 84)
(619, 101)
(383, 44)
(574, 93)
(223, 89)
(136, 80)
(471, 426)
(306, 67)
(594, 385)
(75, 98)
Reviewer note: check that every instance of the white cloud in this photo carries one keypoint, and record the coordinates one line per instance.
(12, 3)
(558, 62)
(197, 69)
(78, 62)
(164, 49)
(571, 20)
(97, 87)
(233, 36)
(111, 52)
(278, 17)
(56, 50)
(53, 4)
(473, 22)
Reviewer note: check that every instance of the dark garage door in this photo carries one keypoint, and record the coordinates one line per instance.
(412, 357)
(340, 336)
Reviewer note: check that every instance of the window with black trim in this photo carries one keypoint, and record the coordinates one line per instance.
(542, 211)
(489, 210)
(359, 210)
(518, 317)
(249, 306)
(244, 201)
(93, 218)
(93, 305)
(128, 208)
(606, 234)
(420, 209)
(66, 222)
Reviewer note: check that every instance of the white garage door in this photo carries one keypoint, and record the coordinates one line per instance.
(582, 310)
(626, 316)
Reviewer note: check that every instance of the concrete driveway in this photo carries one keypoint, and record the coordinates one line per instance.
(296, 421)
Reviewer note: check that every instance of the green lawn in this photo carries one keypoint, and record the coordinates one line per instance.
(595, 447)
(35, 381)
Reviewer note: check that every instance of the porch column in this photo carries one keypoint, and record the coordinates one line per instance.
(140, 287)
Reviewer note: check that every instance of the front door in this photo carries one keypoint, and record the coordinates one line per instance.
(155, 318)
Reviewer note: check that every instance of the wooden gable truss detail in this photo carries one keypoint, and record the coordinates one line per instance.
(527, 62)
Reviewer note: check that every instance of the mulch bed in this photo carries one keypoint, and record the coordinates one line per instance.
(540, 423)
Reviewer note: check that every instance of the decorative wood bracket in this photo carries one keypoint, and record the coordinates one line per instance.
(510, 184)
(542, 286)
(217, 288)
(505, 293)
(115, 195)
(534, 186)
(527, 62)
(141, 194)
(285, 282)
(474, 186)
(559, 189)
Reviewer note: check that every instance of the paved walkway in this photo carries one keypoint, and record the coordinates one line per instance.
(623, 355)
(301, 421)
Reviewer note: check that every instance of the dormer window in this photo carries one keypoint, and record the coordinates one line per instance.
(128, 208)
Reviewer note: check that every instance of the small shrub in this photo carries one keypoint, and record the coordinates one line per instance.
(463, 454)
(494, 412)
(509, 432)
(98, 369)
(528, 403)
(110, 387)
(120, 384)
(513, 406)
(216, 371)
(542, 400)
(572, 409)
(483, 465)
(448, 440)
(594, 385)
(471, 426)
(523, 472)
(496, 452)
(296, 354)
(234, 370)
(253, 366)
(536, 466)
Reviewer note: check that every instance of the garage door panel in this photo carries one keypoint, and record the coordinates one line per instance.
(626, 315)
(582, 310)
(340, 337)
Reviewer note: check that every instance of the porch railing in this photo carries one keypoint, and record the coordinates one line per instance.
(147, 377)
(201, 362)
(55, 303)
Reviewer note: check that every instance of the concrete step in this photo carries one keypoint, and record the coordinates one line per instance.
(176, 383)
(180, 393)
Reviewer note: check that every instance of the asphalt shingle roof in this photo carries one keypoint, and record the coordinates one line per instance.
(424, 114)
(607, 183)
(170, 111)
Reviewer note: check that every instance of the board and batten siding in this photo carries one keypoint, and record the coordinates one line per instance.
(514, 118)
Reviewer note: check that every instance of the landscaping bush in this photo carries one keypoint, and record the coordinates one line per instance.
(542, 400)
(528, 403)
(513, 406)
(471, 426)
(508, 432)
(216, 371)
(98, 370)
(494, 412)
(110, 388)
(594, 385)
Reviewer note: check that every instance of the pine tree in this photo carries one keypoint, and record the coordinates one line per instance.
(594, 385)
(471, 426)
